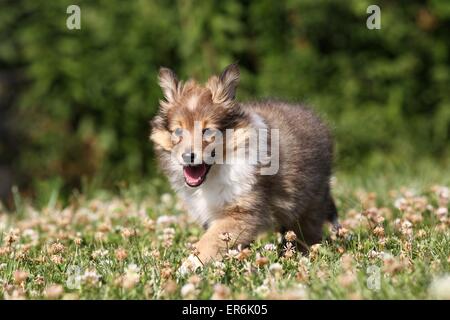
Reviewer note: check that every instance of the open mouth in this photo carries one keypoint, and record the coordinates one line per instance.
(195, 175)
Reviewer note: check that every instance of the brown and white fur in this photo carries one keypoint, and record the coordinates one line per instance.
(235, 198)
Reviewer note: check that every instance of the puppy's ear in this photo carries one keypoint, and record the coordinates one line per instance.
(229, 79)
(223, 88)
(169, 83)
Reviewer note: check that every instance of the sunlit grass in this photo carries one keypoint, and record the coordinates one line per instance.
(394, 244)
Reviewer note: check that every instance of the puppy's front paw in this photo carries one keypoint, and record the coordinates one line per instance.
(190, 265)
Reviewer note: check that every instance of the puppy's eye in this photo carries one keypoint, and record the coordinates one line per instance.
(177, 135)
(208, 133)
(178, 132)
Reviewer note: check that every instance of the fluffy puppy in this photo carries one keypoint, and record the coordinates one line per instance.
(242, 168)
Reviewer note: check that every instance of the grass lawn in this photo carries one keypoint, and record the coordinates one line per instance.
(395, 244)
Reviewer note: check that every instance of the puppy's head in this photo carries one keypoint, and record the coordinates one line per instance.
(192, 120)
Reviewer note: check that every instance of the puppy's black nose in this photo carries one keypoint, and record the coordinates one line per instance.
(188, 157)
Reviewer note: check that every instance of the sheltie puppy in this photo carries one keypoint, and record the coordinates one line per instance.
(242, 168)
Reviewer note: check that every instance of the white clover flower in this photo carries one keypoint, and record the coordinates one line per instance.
(373, 254)
(99, 253)
(400, 203)
(166, 199)
(90, 277)
(263, 290)
(298, 292)
(304, 261)
(276, 268)
(219, 265)
(444, 192)
(188, 291)
(221, 292)
(31, 234)
(441, 212)
(132, 268)
(166, 220)
(270, 247)
(169, 231)
(131, 277)
(233, 253)
(440, 288)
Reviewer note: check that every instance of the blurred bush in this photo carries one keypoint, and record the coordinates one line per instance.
(76, 103)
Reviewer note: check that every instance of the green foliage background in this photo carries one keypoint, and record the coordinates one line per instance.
(79, 101)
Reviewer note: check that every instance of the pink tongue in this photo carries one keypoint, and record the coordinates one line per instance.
(194, 174)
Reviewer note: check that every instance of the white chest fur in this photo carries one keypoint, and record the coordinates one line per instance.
(224, 184)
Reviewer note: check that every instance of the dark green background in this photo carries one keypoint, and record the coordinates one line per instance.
(75, 104)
